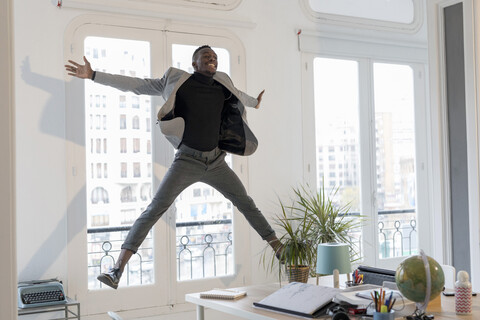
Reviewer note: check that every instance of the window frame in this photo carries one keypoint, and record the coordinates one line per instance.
(366, 54)
(166, 291)
(358, 22)
(241, 228)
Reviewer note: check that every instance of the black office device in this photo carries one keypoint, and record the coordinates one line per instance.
(373, 275)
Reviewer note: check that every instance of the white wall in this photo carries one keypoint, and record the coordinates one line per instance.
(273, 63)
(40, 132)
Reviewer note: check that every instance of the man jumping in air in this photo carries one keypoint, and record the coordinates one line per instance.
(203, 117)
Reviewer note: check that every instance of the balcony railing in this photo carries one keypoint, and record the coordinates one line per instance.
(204, 254)
(397, 233)
(104, 246)
(201, 252)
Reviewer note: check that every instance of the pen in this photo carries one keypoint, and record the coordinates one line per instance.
(379, 300)
(383, 298)
(391, 304)
(389, 299)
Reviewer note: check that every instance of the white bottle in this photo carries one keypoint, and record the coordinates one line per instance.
(463, 294)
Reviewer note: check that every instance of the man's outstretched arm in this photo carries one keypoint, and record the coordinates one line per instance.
(80, 71)
(120, 82)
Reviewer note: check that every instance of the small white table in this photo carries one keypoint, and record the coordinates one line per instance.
(67, 308)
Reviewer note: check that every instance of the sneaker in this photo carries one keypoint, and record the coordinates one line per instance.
(110, 278)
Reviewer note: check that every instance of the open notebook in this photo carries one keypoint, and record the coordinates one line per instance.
(227, 294)
(300, 299)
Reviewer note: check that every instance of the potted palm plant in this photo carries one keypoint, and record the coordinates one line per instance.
(313, 218)
(297, 254)
(329, 222)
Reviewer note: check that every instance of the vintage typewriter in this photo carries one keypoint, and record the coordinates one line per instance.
(37, 293)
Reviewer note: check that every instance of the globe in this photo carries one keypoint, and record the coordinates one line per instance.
(412, 281)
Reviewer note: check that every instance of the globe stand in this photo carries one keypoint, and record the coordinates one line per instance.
(419, 313)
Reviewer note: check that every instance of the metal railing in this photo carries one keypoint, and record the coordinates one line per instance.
(205, 253)
(199, 254)
(397, 233)
(104, 246)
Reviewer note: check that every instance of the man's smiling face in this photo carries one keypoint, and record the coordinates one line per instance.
(205, 62)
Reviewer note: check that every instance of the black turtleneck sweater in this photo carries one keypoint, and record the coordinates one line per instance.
(199, 101)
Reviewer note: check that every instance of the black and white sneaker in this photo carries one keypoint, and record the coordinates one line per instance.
(110, 278)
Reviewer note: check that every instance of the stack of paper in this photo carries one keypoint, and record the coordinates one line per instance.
(228, 294)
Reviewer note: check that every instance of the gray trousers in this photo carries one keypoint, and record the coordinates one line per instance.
(192, 166)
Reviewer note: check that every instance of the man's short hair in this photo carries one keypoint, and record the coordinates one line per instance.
(198, 49)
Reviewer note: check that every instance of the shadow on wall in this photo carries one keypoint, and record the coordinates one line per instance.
(54, 106)
(49, 251)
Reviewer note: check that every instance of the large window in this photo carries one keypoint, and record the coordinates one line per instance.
(394, 11)
(397, 16)
(203, 222)
(365, 150)
(118, 157)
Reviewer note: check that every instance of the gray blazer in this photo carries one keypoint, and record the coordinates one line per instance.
(235, 135)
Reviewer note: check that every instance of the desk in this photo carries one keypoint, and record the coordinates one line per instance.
(243, 307)
(64, 307)
(443, 307)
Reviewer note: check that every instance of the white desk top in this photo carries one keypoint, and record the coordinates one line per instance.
(243, 307)
(443, 308)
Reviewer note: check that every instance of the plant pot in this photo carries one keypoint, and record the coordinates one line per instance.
(298, 273)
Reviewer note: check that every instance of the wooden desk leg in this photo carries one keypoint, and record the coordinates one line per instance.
(200, 313)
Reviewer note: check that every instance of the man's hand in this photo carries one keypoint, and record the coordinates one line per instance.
(80, 71)
(259, 99)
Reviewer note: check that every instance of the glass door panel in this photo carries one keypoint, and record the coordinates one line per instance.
(118, 159)
(336, 92)
(204, 218)
(395, 160)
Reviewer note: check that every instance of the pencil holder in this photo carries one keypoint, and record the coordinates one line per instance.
(384, 315)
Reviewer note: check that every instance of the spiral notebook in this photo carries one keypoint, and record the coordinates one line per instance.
(300, 299)
(227, 294)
